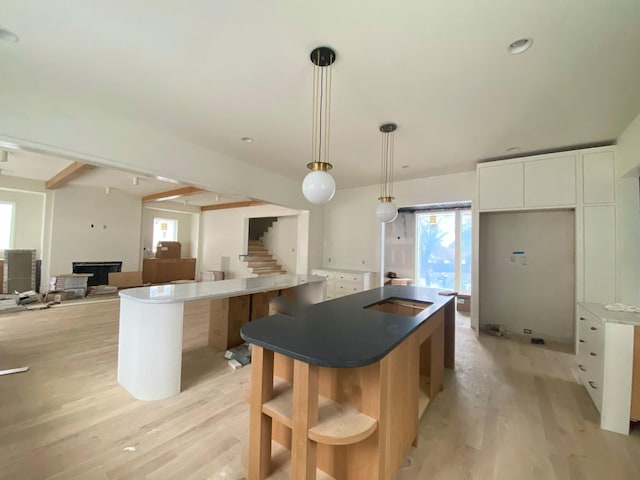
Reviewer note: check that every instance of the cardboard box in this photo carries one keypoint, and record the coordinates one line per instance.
(168, 250)
(125, 279)
(464, 303)
(55, 296)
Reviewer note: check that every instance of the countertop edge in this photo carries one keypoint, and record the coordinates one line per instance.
(234, 293)
(361, 362)
(599, 311)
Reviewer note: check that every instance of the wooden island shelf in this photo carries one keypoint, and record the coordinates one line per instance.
(342, 386)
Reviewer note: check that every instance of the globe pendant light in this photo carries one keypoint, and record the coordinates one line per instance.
(387, 211)
(318, 186)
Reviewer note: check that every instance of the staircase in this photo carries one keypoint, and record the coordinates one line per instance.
(260, 261)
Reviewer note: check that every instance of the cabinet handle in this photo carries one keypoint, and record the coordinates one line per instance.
(593, 328)
(581, 367)
(581, 341)
(582, 318)
(592, 354)
(592, 385)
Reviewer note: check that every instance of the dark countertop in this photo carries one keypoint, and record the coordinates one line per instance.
(341, 333)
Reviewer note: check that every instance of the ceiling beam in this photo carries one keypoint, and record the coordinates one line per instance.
(221, 206)
(73, 171)
(171, 194)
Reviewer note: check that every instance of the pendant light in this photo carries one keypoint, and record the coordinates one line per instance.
(387, 211)
(318, 186)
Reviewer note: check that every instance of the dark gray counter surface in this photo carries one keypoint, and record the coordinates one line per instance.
(341, 333)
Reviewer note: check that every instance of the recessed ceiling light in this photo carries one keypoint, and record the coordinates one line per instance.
(520, 46)
(8, 36)
(247, 139)
(513, 149)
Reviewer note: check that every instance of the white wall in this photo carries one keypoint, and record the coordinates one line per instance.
(628, 215)
(282, 240)
(115, 235)
(28, 218)
(539, 295)
(185, 229)
(400, 246)
(352, 231)
(223, 232)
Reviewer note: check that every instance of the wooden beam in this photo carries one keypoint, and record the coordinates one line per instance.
(248, 203)
(169, 194)
(73, 171)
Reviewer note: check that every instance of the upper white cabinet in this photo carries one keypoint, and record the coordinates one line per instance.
(529, 183)
(550, 182)
(501, 186)
(598, 176)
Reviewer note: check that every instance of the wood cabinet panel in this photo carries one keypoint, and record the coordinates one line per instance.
(161, 270)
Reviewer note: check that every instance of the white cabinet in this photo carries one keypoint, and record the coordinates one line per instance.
(599, 254)
(344, 282)
(605, 362)
(501, 186)
(598, 174)
(530, 183)
(550, 182)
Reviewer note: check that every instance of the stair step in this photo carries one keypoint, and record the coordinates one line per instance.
(262, 263)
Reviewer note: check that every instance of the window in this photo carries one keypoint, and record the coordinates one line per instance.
(443, 250)
(164, 230)
(6, 225)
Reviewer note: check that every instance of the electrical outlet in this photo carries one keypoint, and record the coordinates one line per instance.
(527, 331)
(329, 259)
(363, 262)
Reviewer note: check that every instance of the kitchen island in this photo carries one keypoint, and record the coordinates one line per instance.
(151, 322)
(338, 388)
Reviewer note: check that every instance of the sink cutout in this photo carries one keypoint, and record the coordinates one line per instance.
(400, 306)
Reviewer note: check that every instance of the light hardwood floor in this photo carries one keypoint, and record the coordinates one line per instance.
(510, 411)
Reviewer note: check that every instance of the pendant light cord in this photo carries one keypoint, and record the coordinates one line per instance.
(321, 111)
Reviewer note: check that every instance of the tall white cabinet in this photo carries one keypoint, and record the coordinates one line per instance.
(582, 180)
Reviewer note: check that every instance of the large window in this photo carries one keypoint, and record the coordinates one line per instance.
(443, 250)
(6, 225)
(164, 230)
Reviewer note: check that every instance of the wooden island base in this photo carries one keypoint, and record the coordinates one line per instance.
(348, 423)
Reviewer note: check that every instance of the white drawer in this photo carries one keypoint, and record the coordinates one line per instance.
(350, 277)
(594, 387)
(591, 340)
(347, 288)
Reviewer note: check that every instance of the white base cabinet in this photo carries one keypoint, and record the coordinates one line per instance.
(344, 282)
(605, 362)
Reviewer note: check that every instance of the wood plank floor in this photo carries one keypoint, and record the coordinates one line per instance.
(510, 411)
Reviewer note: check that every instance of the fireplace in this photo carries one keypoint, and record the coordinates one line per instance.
(100, 271)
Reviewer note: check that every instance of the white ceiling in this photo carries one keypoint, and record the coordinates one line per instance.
(43, 167)
(215, 71)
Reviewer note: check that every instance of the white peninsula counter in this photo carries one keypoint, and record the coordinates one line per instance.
(151, 323)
